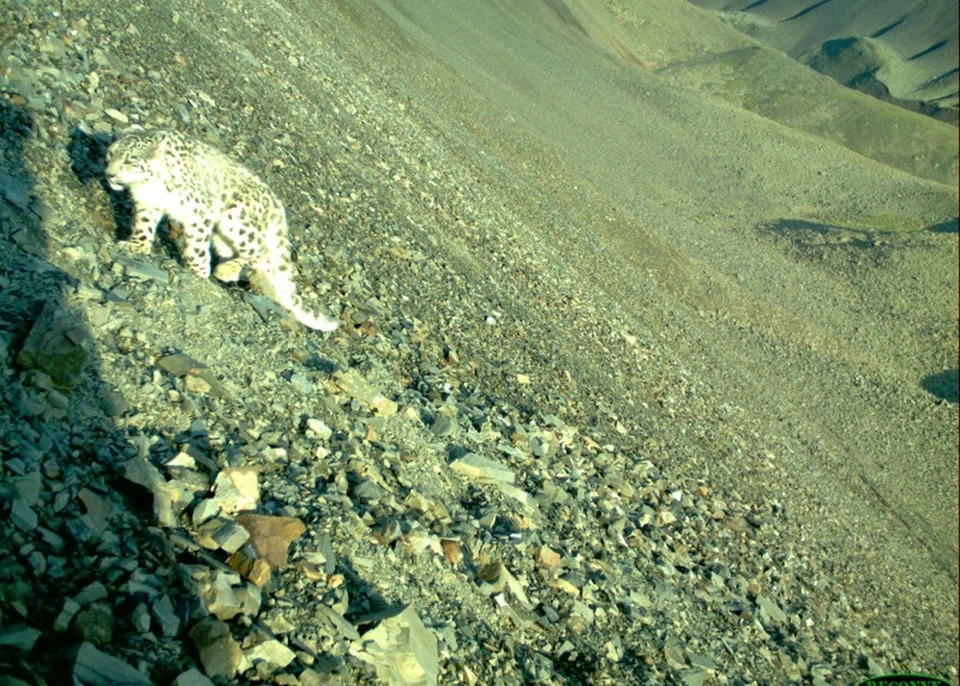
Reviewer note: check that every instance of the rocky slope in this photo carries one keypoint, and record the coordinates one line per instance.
(632, 386)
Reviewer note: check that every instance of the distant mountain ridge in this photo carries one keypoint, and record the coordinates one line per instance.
(897, 50)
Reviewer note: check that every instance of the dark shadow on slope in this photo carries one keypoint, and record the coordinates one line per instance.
(566, 16)
(888, 28)
(72, 523)
(579, 666)
(818, 242)
(88, 153)
(847, 60)
(367, 607)
(949, 226)
(807, 10)
(69, 521)
(932, 48)
(943, 385)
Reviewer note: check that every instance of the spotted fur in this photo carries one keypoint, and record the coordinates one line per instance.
(218, 202)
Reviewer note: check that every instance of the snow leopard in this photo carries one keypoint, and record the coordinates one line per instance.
(217, 201)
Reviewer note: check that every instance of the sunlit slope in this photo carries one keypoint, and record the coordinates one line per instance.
(691, 49)
(690, 172)
(763, 230)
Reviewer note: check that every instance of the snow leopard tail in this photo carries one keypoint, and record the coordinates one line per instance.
(277, 284)
(313, 320)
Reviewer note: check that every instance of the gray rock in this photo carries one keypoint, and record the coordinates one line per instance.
(116, 115)
(237, 489)
(27, 487)
(141, 472)
(55, 347)
(219, 595)
(94, 624)
(165, 616)
(91, 593)
(112, 401)
(205, 510)
(346, 629)
(495, 578)
(140, 617)
(357, 388)
(142, 270)
(278, 624)
(19, 636)
(15, 191)
(770, 612)
(264, 307)
(89, 292)
(67, 613)
(518, 494)
(219, 652)
(322, 431)
(231, 537)
(192, 677)
(250, 598)
(303, 384)
(311, 677)
(443, 426)
(273, 653)
(22, 515)
(170, 498)
(95, 668)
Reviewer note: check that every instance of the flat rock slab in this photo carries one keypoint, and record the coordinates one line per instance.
(482, 469)
(93, 667)
(401, 649)
(354, 385)
(142, 270)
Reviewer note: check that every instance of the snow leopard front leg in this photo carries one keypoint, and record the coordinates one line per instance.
(197, 232)
(144, 229)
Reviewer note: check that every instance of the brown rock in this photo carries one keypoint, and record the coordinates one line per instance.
(198, 379)
(255, 569)
(272, 536)
(180, 364)
(451, 550)
(548, 558)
